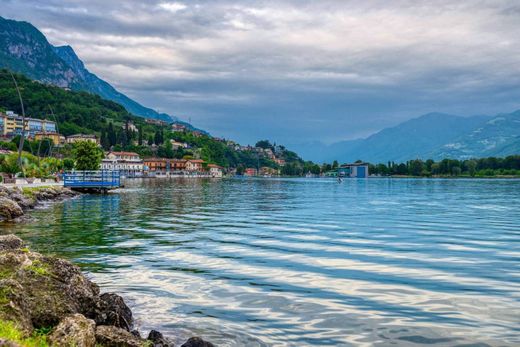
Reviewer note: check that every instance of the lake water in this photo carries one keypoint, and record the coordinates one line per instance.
(296, 262)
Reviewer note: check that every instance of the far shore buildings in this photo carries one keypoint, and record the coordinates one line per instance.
(194, 165)
(154, 167)
(215, 170)
(128, 163)
(250, 172)
(356, 170)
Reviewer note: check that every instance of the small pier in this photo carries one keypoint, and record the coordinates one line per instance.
(92, 181)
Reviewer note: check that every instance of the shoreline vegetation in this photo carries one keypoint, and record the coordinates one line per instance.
(48, 301)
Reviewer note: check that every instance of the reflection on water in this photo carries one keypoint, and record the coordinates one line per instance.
(303, 262)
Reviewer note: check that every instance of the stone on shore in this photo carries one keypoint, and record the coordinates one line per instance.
(111, 336)
(113, 311)
(158, 340)
(197, 342)
(39, 291)
(9, 209)
(10, 242)
(74, 330)
(44, 292)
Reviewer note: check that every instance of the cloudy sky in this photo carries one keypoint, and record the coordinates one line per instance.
(294, 71)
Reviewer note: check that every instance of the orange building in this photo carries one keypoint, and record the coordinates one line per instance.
(157, 165)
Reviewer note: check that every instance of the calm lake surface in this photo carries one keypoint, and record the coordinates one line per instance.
(296, 262)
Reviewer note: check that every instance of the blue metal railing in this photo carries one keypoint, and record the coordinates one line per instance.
(102, 179)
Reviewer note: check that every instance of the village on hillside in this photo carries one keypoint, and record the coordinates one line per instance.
(131, 164)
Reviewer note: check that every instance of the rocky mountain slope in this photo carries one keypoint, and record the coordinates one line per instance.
(24, 49)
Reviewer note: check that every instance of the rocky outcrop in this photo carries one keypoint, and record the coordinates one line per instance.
(112, 310)
(197, 342)
(111, 336)
(14, 201)
(158, 340)
(9, 209)
(74, 330)
(37, 292)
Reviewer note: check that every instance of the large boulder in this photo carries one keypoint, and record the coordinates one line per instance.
(113, 311)
(10, 242)
(74, 330)
(23, 201)
(9, 209)
(197, 342)
(158, 340)
(110, 336)
(51, 288)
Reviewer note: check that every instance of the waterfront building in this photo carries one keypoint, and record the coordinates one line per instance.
(82, 137)
(267, 171)
(178, 165)
(250, 172)
(128, 163)
(194, 165)
(215, 170)
(356, 170)
(157, 165)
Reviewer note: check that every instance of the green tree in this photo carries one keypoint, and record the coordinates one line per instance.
(87, 155)
(68, 164)
(112, 136)
(140, 136)
(104, 140)
(471, 166)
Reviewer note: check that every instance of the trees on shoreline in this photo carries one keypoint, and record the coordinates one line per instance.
(477, 167)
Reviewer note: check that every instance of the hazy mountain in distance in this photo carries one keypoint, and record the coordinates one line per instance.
(421, 137)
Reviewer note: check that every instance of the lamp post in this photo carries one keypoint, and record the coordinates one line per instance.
(20, 146)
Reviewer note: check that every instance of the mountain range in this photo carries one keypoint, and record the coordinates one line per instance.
(431, 136)
(24, 49)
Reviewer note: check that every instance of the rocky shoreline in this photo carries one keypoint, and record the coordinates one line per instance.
(15, 201)
(48, 299)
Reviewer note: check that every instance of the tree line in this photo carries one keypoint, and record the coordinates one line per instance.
(483, 167)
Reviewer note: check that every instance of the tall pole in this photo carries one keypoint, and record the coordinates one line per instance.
(20, 146)
(57, 131)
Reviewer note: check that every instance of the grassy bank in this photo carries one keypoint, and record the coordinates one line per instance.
(9, 331)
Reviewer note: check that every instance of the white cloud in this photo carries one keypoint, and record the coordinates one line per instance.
(173, 7)
(375, 60)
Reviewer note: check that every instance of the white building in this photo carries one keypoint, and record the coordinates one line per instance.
(82, 137)
(176, 145)
(215, 170)
(128, 163)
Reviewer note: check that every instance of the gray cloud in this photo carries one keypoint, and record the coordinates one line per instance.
(295, 71)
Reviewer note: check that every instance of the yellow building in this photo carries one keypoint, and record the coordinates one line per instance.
(54, 137)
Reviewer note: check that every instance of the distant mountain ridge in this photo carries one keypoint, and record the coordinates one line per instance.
(431, 136)
(24, 49)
